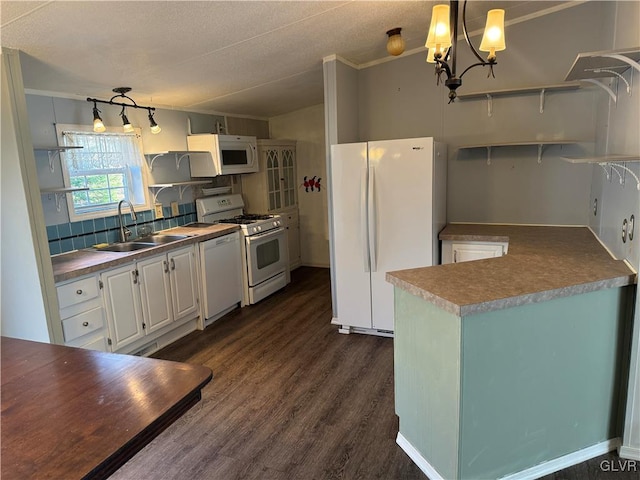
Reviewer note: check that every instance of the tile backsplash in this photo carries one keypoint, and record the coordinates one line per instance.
(66, 237)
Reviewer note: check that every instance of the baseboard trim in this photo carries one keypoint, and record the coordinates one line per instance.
(530, 473)
(417, 458)
(565, 461)
(630, 453)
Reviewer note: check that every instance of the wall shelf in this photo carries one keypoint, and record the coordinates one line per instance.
(614, 162)
(60, 192)
(54, 151)
(181, 186)
(541, 90)
(178, 154)
(588, 67)
(540, 144)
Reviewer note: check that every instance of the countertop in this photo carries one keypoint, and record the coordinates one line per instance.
(76, 413)
(67, 266)
(543, 263)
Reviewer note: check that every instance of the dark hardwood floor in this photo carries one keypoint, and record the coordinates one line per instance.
(291, 399)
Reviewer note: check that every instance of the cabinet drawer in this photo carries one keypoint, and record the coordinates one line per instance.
(77, 292)
(87, 322)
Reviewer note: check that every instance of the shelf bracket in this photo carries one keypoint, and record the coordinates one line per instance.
(620, 77)
(613, 167)
(542, 94)
(488, 154)
(623, 58)
(179, 160)
(626, 169)
(540, 150)
(52, 155)
(157, 192)
(604, 87)
(606, 172)
(58, 196)
(489, 105)
(154, 159)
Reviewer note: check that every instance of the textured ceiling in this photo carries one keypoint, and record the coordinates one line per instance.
(261, 58)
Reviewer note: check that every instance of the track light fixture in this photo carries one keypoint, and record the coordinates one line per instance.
(98, 126)
(442, 39)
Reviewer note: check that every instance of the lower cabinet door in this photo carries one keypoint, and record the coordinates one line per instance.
(122, 305)
(155, 292)
(184, 290)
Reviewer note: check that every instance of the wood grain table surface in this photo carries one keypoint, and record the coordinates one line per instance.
(74, 413)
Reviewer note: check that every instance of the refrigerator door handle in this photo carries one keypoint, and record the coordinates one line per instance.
(371, 206)
(363, 219)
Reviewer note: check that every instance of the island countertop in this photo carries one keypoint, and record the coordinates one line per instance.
(543, 263)
(83, 262)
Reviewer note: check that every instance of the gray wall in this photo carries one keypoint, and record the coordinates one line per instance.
(399, 99)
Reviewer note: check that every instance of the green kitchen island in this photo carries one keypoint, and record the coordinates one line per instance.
(512, 366)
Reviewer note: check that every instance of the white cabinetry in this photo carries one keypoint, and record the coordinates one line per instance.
(291, 222)
(155, 292)
(184, 290)
(144, 297)
(466, 251)
(82, 313)
(274, 190)
(123, 306)
(274, 187)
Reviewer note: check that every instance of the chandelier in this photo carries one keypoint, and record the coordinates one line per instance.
(442, 39)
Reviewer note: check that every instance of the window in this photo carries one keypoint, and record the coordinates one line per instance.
(110, 164)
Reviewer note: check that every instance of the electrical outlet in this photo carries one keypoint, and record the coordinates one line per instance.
(175, 211)
(158, 211)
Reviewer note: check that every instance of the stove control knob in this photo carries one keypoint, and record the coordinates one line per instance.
(259, 229)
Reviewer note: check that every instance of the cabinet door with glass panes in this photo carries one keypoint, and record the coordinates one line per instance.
(274, 187)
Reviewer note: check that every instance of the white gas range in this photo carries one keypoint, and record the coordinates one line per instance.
(264, 249)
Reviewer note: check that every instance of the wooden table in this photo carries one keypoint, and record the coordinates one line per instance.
(74, 413)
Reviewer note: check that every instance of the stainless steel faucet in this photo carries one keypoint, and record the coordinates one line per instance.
(124, 231)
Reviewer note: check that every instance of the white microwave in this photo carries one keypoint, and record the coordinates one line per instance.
(215, 154)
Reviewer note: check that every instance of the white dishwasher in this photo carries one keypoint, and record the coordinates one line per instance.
(221, 275)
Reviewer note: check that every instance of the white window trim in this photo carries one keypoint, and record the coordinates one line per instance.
(75, 217)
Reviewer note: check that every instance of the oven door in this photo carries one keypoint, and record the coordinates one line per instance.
(266, 255)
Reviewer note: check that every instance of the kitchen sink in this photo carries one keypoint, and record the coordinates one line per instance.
(160, 239)
(141, 243)
(126, 247)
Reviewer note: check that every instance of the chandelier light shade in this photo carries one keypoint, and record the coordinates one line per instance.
(442, 39)
(395, 42)
(493, 38)
(439, 36)
(98, 125)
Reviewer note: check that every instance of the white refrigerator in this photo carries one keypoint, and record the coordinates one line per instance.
(388, 204)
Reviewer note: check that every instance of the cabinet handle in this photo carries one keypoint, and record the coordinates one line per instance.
(166, 266)
(85, 324)
(135, 277)
(79, 291)
(173, 264)
(455, 256)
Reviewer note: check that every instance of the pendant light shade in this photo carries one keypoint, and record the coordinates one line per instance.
(493, 39)
(395, 43)
(439, 32)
